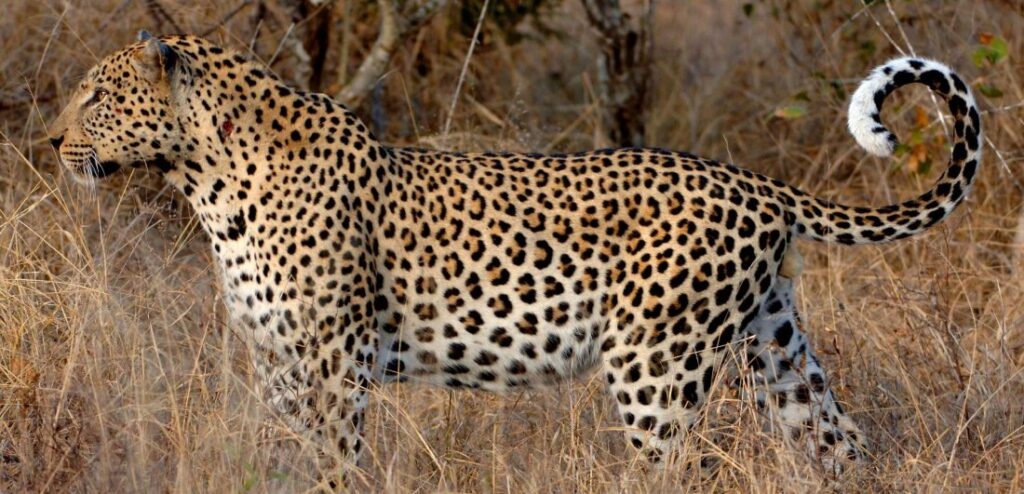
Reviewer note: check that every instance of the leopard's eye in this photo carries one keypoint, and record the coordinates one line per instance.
(98, 96)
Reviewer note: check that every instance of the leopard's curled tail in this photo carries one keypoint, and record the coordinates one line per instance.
(823, 220)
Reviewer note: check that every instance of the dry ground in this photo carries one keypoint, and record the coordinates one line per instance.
(118, 375)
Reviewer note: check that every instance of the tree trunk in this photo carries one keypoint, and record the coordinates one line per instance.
(624, 70)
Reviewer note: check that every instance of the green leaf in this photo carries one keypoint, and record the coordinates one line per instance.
(999, 49)
(924, 167)
(867, 48)
(251, 478)
(916, 137)
(990, 90)
(791, 112)
(901, 150)
(991, 53)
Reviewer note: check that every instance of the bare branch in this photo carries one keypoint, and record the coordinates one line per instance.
(376, 62)
(606, 17)
(393, 28)
(423, 12)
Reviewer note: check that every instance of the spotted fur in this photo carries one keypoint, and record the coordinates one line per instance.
(346, 262)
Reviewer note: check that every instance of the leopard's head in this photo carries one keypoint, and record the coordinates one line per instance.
(124, 112)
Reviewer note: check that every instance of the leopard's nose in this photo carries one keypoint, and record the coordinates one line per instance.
(56, 141)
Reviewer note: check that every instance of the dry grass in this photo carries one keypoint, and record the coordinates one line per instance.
(118, 375)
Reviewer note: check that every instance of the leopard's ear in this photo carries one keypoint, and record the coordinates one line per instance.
(144, 35)
(155, 61)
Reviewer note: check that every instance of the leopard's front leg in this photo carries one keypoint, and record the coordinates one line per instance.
(320, 388)
(314, 344)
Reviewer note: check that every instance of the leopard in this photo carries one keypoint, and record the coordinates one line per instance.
(348, 263)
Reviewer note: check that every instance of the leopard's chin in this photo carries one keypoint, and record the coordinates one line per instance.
(102, 170)
(88, 165)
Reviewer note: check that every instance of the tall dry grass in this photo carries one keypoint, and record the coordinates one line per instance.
(117, 373)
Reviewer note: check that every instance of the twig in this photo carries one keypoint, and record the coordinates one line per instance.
(1006, 168)
(113, 15)
(884, 32)
(161, 15)
(346, 42)
(931, 95)
(1002, 108)
(899, 26)
(465, 67)
(281, 44)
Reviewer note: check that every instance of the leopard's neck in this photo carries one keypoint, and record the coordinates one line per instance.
(275, 167)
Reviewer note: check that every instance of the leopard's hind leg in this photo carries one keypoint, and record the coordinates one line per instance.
(788, 382)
